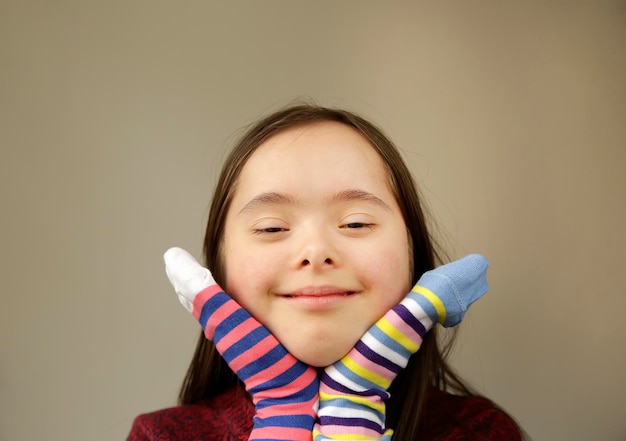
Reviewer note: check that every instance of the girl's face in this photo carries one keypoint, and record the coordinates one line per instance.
(315, 245)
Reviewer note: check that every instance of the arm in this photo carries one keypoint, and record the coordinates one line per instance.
(354, 389)
(284, 390)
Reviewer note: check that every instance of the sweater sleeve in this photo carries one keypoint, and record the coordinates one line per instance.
(144, 429)
(449, 417)
(229, 413)
(446, 418)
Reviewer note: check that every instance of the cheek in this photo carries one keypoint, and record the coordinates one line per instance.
(239, 269)
(388, 271)
(243, 278)
(249, 278)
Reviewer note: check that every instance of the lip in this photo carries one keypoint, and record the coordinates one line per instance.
(320, 291)
(319, 297)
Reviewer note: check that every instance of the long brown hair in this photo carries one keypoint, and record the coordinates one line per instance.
(209, 375)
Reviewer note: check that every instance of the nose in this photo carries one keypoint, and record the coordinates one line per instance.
(327, 261)
(317, 251)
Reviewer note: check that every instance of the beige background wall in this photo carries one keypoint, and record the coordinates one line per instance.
(115, 116)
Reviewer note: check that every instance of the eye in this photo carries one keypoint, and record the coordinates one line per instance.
(355, 225)
(269, 230)
(270, 227)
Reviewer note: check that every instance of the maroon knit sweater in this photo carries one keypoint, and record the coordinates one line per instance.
(228, 417)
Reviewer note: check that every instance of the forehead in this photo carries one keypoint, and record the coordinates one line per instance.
(313, 153)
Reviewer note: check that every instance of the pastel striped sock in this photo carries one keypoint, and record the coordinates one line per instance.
(353, 390)
(284, 390)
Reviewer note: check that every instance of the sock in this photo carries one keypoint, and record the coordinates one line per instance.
(284, 390)
(353, 390)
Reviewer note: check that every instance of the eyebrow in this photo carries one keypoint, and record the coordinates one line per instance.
(273, 198)
(359, 195)
(270, 198)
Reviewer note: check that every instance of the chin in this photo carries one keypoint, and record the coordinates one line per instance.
(318, 355)
(317, 359)
(319, 344)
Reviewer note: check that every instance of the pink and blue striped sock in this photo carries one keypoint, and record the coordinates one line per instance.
(353, 390)
(284, 390)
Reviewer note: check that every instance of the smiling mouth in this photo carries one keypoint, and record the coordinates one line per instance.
(339, 294)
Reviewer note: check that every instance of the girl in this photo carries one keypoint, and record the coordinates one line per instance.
(316, 229)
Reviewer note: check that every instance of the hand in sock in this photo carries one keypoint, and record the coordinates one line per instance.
(284, 390)
(354, 389)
